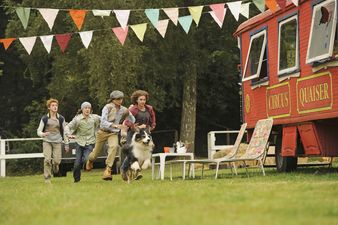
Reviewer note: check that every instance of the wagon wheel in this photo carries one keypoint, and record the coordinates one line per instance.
(283, 164)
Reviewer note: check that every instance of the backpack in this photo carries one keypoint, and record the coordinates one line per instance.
(61, 120)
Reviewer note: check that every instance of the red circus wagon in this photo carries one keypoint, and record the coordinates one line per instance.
(289, 67)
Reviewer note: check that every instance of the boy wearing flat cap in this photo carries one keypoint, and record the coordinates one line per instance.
(113, 114)
(83, 128)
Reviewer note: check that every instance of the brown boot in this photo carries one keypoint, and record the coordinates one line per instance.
(107, 174)
(89, 165)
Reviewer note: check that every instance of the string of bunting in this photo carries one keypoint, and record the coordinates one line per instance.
(218, 12)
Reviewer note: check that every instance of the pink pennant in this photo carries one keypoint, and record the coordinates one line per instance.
(121, 33)
(218, 10)
(281, 3)
(63, 40)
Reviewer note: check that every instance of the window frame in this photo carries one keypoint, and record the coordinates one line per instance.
(263, 49)
(280, 24)
(334, 18)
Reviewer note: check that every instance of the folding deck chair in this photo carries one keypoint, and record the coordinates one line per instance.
(233, 152)
(256, 150)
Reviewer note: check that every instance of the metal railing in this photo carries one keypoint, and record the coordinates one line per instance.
(4, 156)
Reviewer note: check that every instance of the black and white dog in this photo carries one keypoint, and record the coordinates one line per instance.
(136, 155)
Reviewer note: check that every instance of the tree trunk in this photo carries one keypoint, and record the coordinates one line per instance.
(188, 120)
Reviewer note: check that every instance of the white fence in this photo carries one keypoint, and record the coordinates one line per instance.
(3, 155)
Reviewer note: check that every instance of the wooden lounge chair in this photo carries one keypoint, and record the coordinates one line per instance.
(256, 150)
(233, 152)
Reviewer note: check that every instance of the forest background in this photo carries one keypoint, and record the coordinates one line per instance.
(193, 79)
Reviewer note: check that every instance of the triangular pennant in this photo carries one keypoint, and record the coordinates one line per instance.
(122, 16)
(185, 22)
(162, 26)
(153, 15)
(49, 15)
(121, 33)
(220, 23)
(235, 8)
(281, 3)
(218, 9)
(7, 42)
(86, 37)
(78, 17)
(63, 40)
(172, 13)
(28, 43)
(47, 42)
(272, 5)
(139, 30)
(23, 14)
(102, 13)
(245, 9)
(196, 12)
(260, 4)
(295, 2)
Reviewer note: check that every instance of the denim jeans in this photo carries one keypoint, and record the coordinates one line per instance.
(82, 153)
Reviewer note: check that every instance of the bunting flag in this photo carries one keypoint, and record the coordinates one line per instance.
(139, 30)
(102, 13)
(47, 42)
(245, 9)
(185, 22)
(63, 40)
(86, 37)
(196, 12)
(235, 8)
(281, 3)
(272, 5)
(260, 4)
(153, 15)
(162, 26)
(23, 14)
(220, 23)
(219, 11)
(172, 13)
(49, 16)
(28, 43)
(78, 17)
(122, 16)
(121, 33)
(7, 42)
(295, 2)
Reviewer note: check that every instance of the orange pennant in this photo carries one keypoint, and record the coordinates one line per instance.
(78, 17)
(7, 42)
(272, 5)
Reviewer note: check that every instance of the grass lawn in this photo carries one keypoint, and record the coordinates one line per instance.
(308, 196)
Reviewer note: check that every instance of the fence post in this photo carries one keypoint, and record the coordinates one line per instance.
(2, 161)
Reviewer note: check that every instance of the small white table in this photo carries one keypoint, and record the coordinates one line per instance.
(162, 157)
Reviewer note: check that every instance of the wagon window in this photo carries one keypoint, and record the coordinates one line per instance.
(323, 28)
(256, 56)
(288, 45)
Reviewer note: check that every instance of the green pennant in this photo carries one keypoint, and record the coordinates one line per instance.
(23, 14)
(260, 4)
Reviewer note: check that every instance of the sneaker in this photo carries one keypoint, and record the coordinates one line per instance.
(138, 175)
(107, 174)
(77, 180)
(89, 165)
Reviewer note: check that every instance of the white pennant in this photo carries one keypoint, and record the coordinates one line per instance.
(122, 16)
(47, 42)
(245, 9)
(220, 23)
(86, 37)
(28, 43)
(162, 26)
(295, 2)
(102, 13)
(49, 15)
(235, 8)
(172, 13)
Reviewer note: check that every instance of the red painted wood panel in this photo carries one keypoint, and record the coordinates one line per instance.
(289, 145)
(309, 138)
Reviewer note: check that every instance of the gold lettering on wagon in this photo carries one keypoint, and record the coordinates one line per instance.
(318, 92)
(278, 101)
